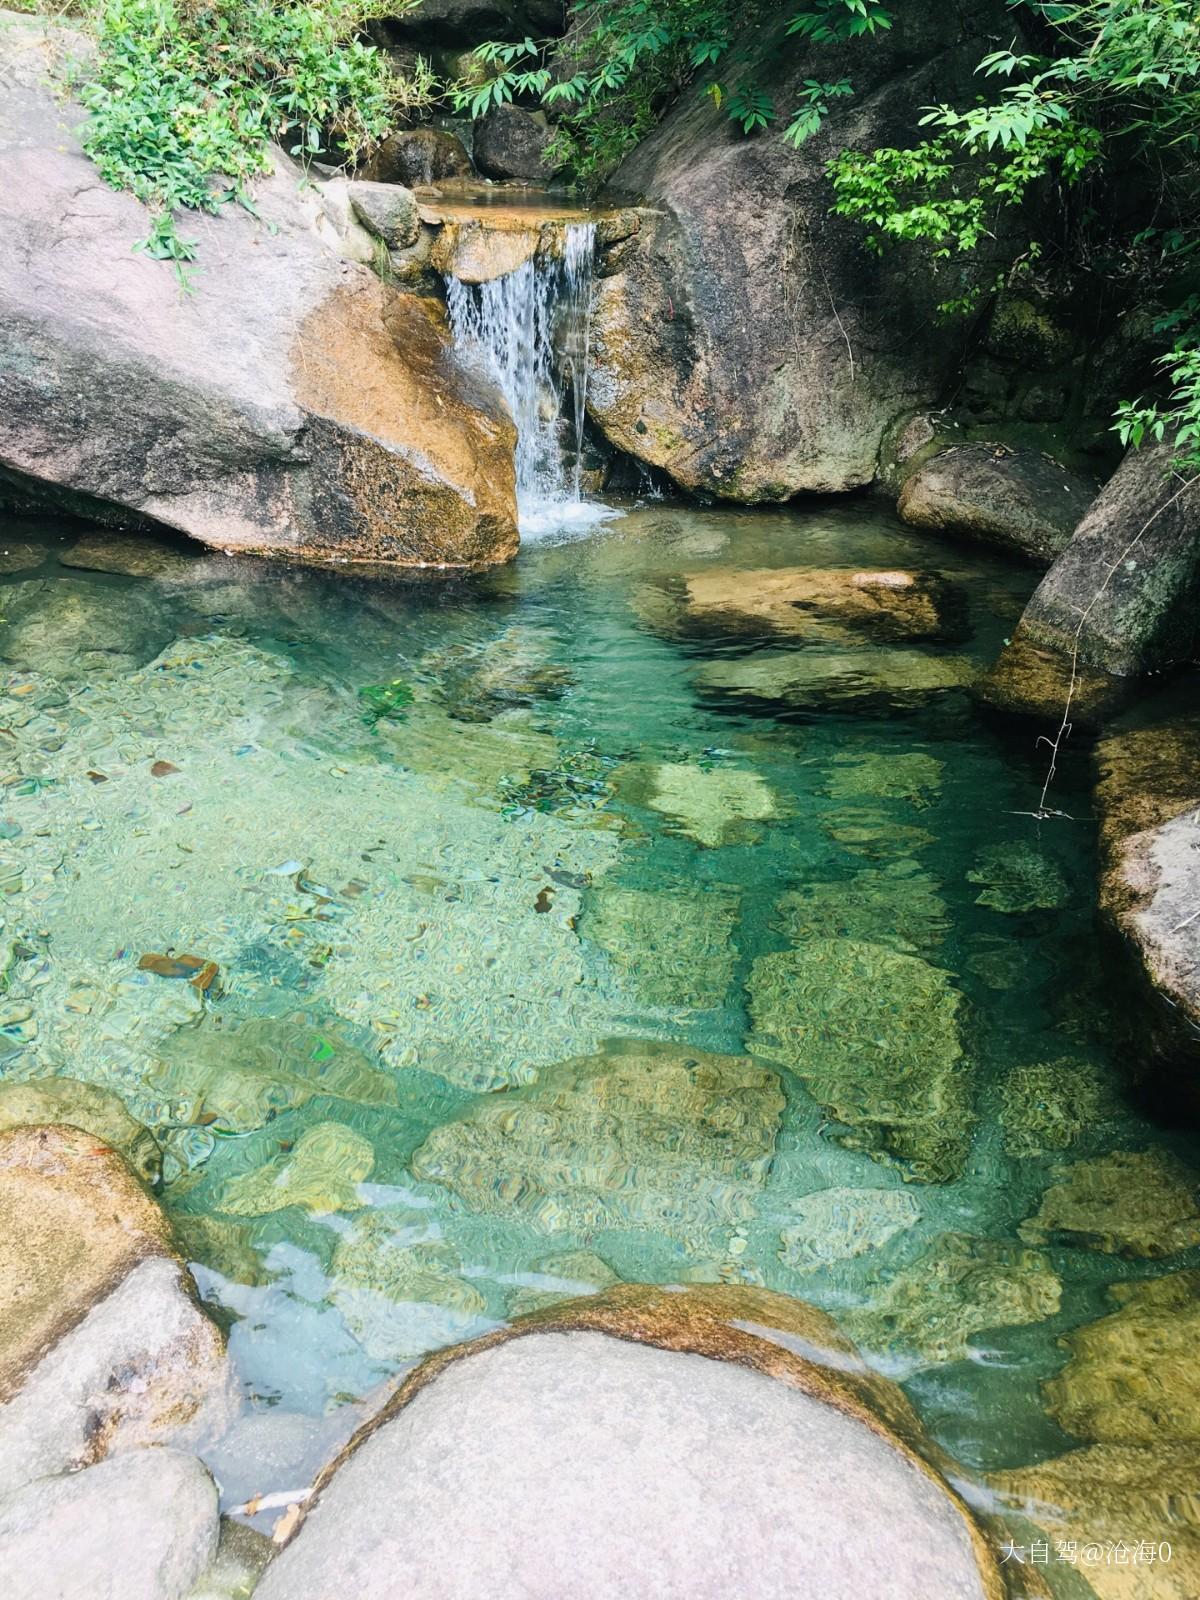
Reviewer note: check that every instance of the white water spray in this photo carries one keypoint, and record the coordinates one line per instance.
(531, 329)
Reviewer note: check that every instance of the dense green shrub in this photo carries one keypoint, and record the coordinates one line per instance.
(185, 97)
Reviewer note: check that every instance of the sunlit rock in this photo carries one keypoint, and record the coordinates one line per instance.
(1138, 1204)
(82, 1105)
(1016, 878)
(321, 1173)
(796, 600)
(959, 1288)
(677, 949)
(644, 1136)
(837, 1224)
(873, 1034)
(735, 1440)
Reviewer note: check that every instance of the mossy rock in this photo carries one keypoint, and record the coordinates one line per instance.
(961, 1286)
(1017, 878)
(896, 904)
(1131, 1376)
(1138, 1204)
(874, 1035)
(1050, 1105)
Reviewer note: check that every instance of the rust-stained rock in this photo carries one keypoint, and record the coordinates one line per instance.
(476, 252)
(102, 1344)
(795, 1468)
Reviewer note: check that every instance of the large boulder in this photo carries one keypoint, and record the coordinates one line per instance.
(87, 1106)
(418, 156)
(1148, 799)
(102, 1344)
(674, 1435)
(142, 1526)
(750, 345)
(1121, 598)
(291, 403)
(1020, 500)
(511, 142)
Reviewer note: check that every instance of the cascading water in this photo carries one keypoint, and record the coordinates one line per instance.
(531, 329)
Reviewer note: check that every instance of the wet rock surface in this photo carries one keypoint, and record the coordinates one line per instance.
(1019, 500)
(568, 1418)
(97, 1111)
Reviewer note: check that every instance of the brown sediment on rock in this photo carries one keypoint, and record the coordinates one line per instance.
(890, 604)
(76, 1223)
(423, 447)
(1029, 681)
(771, 1334)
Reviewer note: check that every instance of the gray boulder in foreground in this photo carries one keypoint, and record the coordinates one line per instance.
(574, 1463)
(141, 1526)
(291, 404)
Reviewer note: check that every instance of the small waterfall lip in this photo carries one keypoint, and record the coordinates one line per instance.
(531, 330)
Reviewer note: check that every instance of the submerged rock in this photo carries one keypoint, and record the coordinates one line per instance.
(1137, 1204)
(1110, 1501)
(677, 949)
(578, 1272)
(141, 1526)
(1018, 878)
(1130, 1378)
(904, 775)
(68, 628)
(960, 1287)
(484, 1473)
(82, 1105)
(293, 404)
(897, 905)
(644, 1136)
(102, 1345)
(1020, 500)
(242, 1075)
(1049, 1105)
(838, 1224)
(873, 1035)
(137, 556)
(714, 807)
(400, 1292)
(809, 679)
(1026, 681)
(790, 600)
(322, 1173)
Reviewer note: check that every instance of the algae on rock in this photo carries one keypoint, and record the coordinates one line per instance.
(874, 1035)
(1016, 878)
(1049, 1105)
(1136, 1204)
(640, 1136)
(897, 905)
(959, 1287)
(321, 1173)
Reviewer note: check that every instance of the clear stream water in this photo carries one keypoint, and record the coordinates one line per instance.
(557, 947)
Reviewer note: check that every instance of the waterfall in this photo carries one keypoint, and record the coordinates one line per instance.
(531, 329)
